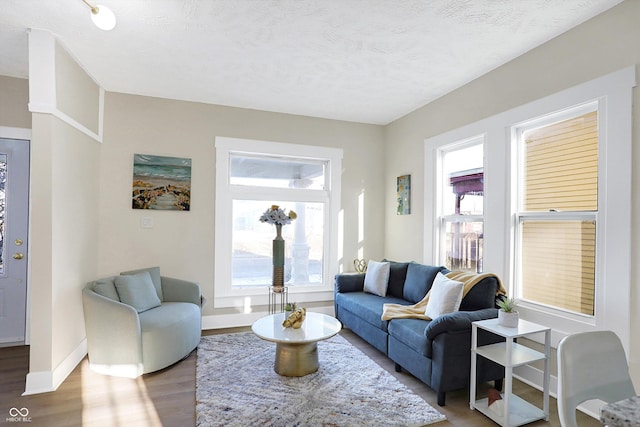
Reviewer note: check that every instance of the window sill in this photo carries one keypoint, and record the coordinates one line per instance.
(260, 297)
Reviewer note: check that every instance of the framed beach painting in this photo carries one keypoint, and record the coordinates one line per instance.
(162, 183)
(404, 195)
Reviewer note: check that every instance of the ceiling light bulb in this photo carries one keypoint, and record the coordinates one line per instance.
(103, 17)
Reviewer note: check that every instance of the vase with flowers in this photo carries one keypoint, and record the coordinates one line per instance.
(278, 217)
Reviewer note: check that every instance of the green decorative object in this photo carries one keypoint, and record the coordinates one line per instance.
(278, 258)
(276, 216)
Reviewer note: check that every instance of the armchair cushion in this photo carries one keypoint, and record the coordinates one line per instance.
(137, 290)
(154, 272)
(106, 288)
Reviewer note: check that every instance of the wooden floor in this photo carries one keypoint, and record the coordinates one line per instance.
(167, 398)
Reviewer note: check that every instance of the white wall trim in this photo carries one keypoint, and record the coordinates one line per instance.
(225, 295)
(42, 67)
(51, 109)
(42, 82)
(47, 381)
(238, 320)
(15, 133)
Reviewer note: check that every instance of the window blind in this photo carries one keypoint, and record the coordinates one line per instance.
(560, 174)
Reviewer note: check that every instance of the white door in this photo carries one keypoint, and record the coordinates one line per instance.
(14, 209)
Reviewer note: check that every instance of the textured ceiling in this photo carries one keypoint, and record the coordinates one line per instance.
(368, 61)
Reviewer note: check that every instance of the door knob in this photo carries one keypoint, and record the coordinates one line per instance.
(18, 255)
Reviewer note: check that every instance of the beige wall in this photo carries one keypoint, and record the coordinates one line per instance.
(63, 223)
(77, 96)
(182, 243)
(64, 198)
(14, 97)
(607, 43)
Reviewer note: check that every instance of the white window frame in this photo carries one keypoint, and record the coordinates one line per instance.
(225, 295)
(517, 132)
(441, 185)
(614, 94)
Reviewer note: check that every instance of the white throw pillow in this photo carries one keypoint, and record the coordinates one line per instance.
(445, 296)
(376, 278)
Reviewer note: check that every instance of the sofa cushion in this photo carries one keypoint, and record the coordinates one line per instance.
(349, 282)
(367, 306)
(154, 272)
(481, 296)
(137, 290)
(376, 279)
(397, 276)
(418, 281)
(445, 296)
(411, 332)
(106, 288)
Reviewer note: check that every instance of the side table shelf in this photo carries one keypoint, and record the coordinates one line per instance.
(510, 355)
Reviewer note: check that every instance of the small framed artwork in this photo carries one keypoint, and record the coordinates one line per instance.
(404, 195)
(162, 183)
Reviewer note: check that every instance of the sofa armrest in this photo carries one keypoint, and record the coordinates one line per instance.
(177, 290)
(349, 282)
(458, 321)
(113, 330)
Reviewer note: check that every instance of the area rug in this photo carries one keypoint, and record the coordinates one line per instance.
(237, 386)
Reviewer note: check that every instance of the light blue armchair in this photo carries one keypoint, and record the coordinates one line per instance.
(140, 322)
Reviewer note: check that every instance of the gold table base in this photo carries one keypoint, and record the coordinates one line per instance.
(296, 360)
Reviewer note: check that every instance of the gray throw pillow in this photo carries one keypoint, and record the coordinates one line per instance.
(137, 290)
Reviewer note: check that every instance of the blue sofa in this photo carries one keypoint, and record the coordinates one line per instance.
(438, 351)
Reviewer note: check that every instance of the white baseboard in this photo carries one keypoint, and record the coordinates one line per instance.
(222, 321)
(46, 381)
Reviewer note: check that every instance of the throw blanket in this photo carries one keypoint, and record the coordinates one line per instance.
(416, 311)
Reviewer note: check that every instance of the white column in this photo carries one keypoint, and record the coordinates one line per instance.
(300, 247)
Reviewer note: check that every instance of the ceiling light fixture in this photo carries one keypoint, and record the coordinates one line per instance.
(102, 16)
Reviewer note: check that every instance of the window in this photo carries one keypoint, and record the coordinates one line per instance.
(559, 238)
(462, 196)
(558, 210)
(251, 176)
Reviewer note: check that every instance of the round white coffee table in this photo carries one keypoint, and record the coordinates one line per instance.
(296, 349)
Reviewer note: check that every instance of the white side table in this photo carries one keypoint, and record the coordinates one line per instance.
(510, 355)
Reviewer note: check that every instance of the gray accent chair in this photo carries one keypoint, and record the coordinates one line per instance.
(128, 341)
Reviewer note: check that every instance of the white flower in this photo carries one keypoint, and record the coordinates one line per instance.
(276, 216)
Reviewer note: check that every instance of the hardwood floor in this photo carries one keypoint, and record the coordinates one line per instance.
(167, 398)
